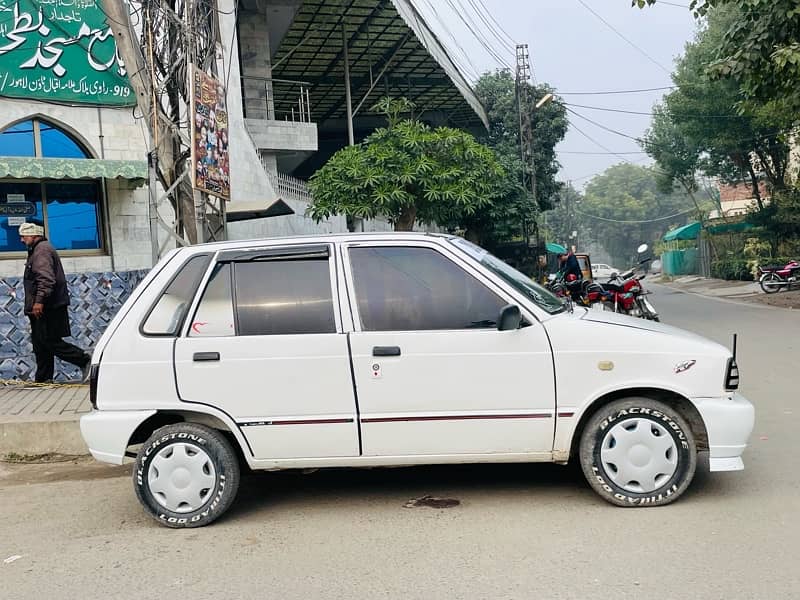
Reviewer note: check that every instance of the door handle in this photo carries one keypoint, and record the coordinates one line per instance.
(386, 351)
(205, 356)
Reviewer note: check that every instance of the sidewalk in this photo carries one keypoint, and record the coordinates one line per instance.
(42, 419)
(717, 288)
(746, 291)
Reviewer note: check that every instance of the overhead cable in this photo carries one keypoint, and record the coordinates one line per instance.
(615, 30)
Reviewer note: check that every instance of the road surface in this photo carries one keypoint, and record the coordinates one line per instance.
(520, 531)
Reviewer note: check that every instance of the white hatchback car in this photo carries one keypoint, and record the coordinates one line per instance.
(603, 271)
(393, 349)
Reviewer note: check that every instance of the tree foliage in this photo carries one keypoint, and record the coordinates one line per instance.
(625, 193)
(702, 125)
(408, 172)
(503, 220)
(760, 51)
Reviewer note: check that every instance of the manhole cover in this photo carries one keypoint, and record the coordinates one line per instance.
(432, 502)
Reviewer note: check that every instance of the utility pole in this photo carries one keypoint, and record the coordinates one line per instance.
(173, 36)
(524, 108)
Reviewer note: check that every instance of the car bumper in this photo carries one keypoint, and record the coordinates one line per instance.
(729, 422)
(107, 432)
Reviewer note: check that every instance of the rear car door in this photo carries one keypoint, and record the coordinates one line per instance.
(265, 345)
(433, 373)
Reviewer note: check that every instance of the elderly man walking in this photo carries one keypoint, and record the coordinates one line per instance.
(46, 304)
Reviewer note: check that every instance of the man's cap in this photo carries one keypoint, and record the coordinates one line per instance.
(31, 229)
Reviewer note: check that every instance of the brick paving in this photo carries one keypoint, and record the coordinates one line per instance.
(56, 402)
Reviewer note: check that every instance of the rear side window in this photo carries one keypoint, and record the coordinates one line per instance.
(214, 316)
(168, 312)
(280, 297)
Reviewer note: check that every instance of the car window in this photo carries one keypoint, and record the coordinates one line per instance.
(542, 297)
(167, 314)
(279, 297)
(413, 289)
(214, 316)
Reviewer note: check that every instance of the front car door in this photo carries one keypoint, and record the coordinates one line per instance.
(434, 376)
(265, 345)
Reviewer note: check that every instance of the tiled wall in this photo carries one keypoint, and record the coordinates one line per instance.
(96, 297)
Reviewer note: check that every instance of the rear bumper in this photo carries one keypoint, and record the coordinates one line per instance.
(107, 432)
(729, 421)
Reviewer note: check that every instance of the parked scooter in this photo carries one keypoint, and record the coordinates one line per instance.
(775, 278)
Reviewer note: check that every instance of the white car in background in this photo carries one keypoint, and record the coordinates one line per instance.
(603, 271)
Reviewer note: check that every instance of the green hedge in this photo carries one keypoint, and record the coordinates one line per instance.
(732, 269)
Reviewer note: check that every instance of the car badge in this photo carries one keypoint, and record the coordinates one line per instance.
(684, 366)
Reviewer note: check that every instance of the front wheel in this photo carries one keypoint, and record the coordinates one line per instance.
(771, 283)
(638, 452)
(186, 475)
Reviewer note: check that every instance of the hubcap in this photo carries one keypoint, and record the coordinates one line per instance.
(182, 477)
(639, 455)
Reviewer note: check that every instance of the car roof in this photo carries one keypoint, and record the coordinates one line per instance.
(316, 239)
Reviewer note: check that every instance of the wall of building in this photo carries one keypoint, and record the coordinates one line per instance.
(122, 138)
(96, 298)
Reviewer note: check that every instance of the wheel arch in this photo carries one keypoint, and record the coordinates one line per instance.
(163, 418)
(685, 406)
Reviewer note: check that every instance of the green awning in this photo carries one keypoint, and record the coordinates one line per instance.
(72, 168)
(687, 232)
(731, 227)
(555, 248)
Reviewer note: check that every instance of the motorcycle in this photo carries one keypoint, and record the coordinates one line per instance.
(774, 278)
(624, 293)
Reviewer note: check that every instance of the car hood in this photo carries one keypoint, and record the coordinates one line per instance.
(611, 318)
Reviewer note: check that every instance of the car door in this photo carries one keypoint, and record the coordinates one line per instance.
(434, 376)
(265, 345)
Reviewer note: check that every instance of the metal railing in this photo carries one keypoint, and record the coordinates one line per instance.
(276, 99)
(289, 187)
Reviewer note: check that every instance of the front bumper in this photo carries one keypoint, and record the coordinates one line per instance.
(107, 432)
(729, 422)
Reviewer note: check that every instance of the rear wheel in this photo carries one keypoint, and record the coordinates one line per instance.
(770, 283)
(186, 475)
(638, 452)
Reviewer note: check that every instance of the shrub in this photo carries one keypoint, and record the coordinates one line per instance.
(734, 269)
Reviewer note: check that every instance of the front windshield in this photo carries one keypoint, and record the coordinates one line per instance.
(542, 297)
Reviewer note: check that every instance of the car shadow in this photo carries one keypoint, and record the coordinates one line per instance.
(261, 491)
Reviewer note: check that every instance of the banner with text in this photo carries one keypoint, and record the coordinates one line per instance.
(60, 50)
(210, 166)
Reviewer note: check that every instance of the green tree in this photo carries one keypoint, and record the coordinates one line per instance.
(760, 51)
(408, 172)
(625, 206)
(697, 127)
(505, 218)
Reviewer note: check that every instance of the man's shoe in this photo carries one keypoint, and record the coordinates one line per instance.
(86, 372)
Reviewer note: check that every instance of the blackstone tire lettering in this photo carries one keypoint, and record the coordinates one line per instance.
(593, 437)
(216, 448)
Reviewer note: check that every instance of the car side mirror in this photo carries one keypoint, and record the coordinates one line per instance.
(510, 318)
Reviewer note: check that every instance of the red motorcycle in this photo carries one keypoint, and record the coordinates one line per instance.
(775, 278)
(624, 293)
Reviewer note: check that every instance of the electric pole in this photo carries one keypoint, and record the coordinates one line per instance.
(524, 108)
(173, 36)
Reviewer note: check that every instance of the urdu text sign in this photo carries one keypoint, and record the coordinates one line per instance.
(60, 50)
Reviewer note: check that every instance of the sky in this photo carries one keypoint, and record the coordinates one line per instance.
(572, 50)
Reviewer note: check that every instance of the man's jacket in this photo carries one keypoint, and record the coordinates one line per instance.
(44, 279)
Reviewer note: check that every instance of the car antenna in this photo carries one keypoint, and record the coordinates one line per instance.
(735, 335)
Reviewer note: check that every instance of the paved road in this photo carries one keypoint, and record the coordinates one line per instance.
(521, 531)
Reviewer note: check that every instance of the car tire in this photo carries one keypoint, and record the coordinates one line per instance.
(186, 475)
(638, 452)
